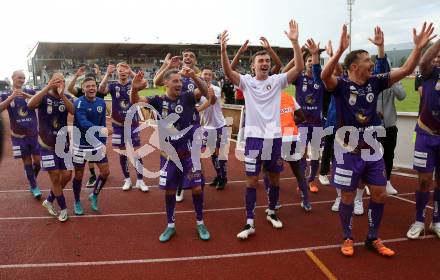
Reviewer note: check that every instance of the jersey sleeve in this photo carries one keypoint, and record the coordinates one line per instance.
(316, 73)
(381, 82)
(244, 80)
(282, 80)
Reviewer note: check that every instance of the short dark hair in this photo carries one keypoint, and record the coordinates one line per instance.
(206, 68)
(170, 72)
(352, 57)
(262, 52)
(88, 79)
(189, 50)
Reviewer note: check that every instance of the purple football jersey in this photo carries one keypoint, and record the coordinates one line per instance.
(356, 104)
(52, 116)
(23, 120)
(184, 107)
(189, 86)
(121, 103)
(430, 103)
(309, 95)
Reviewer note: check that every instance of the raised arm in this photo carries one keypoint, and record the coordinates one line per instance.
(97, 72)
(420, 41)
(138, 83)
(314, 50)
(69, 104)
(327, 77)
(293, 35)
(103, 86)
(71, 87)
(168, 64)
(275, 58)
(16, 93)
(202, 88)
(239, 53)
(35, 100)
(378, 41)
(425, 63)
(227, 69)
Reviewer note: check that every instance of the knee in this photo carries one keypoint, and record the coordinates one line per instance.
(170, 192)
(252, 182)
(66, 176)
(379, 196)
(197, 190)
(425, 183)
(347, 198)
(105, 172)
(79, 173)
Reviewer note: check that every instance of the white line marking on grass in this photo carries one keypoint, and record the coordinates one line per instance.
(193, 258)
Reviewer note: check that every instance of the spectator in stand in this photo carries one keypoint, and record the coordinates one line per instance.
(228, 91)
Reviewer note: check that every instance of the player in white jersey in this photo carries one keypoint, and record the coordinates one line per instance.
(262, 125)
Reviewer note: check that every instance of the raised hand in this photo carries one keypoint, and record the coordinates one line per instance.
(224, 40)
(265, 43)
(167, 59)
(60, 88)
(329, 48)
(378, 38)
(312, 46)
(174, 62)
(138, 81)
(293, 33)
(187, 72)
(244, 47)
(421, 40)
(20, 93)
(96, 69)
(81, 71)
(110, 69)
(344, 41)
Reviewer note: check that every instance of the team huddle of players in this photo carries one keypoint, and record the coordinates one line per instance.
(278, 128)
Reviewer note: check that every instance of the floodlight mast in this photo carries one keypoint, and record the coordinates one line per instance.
(350, 4)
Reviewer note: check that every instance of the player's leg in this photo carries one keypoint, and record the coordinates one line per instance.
(104, 172)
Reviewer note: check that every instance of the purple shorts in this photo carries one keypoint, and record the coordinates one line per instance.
(118, 138)
(171, 176)
(427, 153)
(81, 156)
(216, 136)
(255, 156)
(23, 147)
(50, 161)
(347, 176)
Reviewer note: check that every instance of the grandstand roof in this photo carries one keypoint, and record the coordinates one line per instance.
(94, 50)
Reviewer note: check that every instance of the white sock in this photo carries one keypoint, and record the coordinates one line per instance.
(250, 222)
(171, 225)
(359, 194)
(338, 192)
(200, 223)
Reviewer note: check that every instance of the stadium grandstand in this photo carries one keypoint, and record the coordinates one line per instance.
(47, 57)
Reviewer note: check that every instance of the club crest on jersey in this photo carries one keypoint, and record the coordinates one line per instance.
(352, 99)
(316, 86)
(304, 88)
(61, 108)
(268, 87)
(179, 109)
(370, 97)
(22, 113)
(99, 109)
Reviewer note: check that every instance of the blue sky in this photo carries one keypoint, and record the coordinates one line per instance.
(26, 22)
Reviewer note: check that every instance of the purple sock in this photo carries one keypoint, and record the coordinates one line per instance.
(124, 165)
(302, 184)
(61, 201)
(202, 181)
(313, 169)
(223, 169)
(29, 170)
(100, 182)
(436, 214)
(251, 199)
(170, 204)
(216, 164)
(346, 216)
(198, 206)
(139, 175)
(76, 186)
(50, 197)
(422, 199)
(274, 194)
(36, 168)
(303, 165)
(375, 213)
